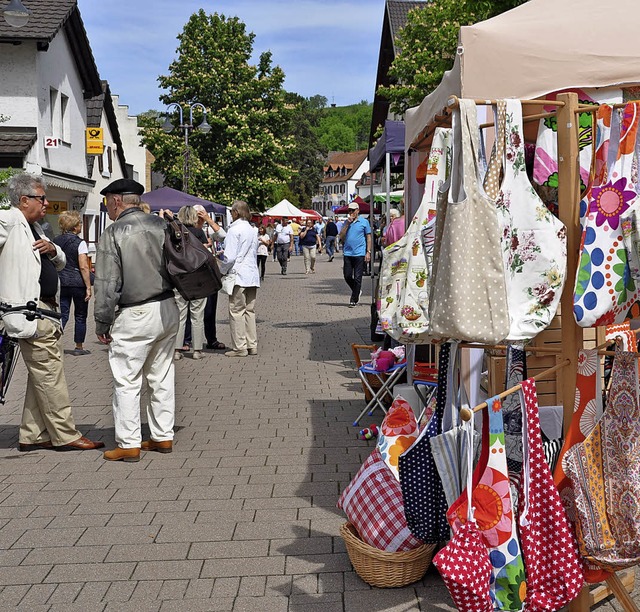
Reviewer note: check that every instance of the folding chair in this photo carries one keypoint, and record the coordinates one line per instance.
(387, 379)
(425, 383)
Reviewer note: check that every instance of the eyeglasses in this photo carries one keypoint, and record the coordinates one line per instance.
(42, 198)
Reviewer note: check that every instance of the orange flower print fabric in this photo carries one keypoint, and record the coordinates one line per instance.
(398, 432)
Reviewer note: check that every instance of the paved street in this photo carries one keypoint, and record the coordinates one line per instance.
(242, 515)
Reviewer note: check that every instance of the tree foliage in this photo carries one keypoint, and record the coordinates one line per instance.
(428, 46)
(246, 153)
(346, 128)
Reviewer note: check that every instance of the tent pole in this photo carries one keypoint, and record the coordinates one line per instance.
(388, 182)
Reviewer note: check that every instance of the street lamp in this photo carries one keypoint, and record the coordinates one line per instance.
(16, 14)
(204, 127)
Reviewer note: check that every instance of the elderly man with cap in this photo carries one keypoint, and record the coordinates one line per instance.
(355, 237)
(136, 315)
(29, 264)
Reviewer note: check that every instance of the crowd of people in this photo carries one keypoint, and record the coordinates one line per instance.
(145, 323)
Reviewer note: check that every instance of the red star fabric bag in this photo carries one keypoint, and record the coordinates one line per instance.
(554, 570)
(464, 562)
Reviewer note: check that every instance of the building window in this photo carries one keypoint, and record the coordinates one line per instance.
(342, 188)
(64, 118)
(53, 111)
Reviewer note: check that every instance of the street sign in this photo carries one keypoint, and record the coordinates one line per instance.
(55, 208)
(95, 140)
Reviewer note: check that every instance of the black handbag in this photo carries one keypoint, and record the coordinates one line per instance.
(190, 266)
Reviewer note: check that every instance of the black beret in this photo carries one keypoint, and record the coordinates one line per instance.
(124, 186)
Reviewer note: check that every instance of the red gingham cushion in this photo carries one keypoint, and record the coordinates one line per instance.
(373, 504)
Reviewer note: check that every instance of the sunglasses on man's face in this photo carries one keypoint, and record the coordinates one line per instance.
(42, 198)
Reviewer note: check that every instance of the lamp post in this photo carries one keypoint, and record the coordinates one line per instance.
(16, 14)
(204, 127)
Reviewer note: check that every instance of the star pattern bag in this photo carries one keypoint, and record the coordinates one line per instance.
(554, 572)
(494, 513)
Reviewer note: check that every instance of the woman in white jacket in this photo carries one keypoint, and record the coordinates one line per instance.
(240, 259)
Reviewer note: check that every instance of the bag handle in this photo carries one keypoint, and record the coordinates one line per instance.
(469, 429)
(526, 463)
(496, 161)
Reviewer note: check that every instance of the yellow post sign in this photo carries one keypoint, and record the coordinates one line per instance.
(55, 208)
(95, 140)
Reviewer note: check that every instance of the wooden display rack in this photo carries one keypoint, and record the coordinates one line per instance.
(567, 337)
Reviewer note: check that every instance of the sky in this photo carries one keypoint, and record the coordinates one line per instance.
(326, 47)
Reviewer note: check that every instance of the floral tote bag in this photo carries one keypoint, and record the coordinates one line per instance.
(403, 307)
(604, 471)
(554, 571)
(604, 288)
(468, 300)
(534, 241)
(587, 410)
(464, 562)
(494, 513)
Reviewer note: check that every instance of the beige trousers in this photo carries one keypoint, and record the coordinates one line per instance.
(242, 318)
(309, 254)
(47, 409)
(196, 309)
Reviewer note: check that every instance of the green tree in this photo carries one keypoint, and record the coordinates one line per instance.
(244, 156)
(428, 46)
(306, 157)
(346, 128)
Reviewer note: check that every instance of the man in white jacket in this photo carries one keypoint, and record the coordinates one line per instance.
(29, 264)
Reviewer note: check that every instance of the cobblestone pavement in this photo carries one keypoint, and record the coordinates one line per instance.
(242, 515)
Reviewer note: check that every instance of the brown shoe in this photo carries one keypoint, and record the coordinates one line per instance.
(164, 446)
(25, 448)
(79, 445)
(130, 455)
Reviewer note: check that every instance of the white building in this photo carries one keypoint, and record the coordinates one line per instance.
(341, 174)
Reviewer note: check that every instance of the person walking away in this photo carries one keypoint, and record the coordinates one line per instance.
(215, 234)
(356, 240)
(264, 243)
(29, 266)
(271, 232)
(330, 234)
(241, 259)
(284, 244)
(295, 228)
(137, 317)
(75, 278)
(310, 241)
(396, 228)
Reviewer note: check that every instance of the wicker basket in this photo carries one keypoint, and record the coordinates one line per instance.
(385, 569)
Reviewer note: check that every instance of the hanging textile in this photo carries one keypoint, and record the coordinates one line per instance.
(516, 372)
(604, 470)
(554, 572)
(464, 562)
(425, 503)
(604, 289)
(587, 411)
(494, 513)
(534, 241)
(468, 299)
(406, 264)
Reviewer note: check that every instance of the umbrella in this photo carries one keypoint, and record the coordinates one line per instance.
(284, 208)
(174, 200)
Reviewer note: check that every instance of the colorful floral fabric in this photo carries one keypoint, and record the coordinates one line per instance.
(534, 241)
(494, 513)
(587, 410)
(605, 474)
(398, 431)
(554, 572)
(604, 287)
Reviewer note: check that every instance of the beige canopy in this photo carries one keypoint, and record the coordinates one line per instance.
(539, 47)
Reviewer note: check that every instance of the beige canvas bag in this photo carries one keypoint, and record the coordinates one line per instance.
(469, 298)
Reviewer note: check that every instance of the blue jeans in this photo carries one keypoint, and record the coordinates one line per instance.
(296, 245)
(330, 245)
(352, 271)
(80, 309)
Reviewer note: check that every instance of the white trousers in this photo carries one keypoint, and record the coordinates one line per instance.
(242, 318)
(309, 258)
(142, 347)
(196, 309)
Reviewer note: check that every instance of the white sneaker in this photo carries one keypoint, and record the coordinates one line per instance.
(197, 355)
(177, 355)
